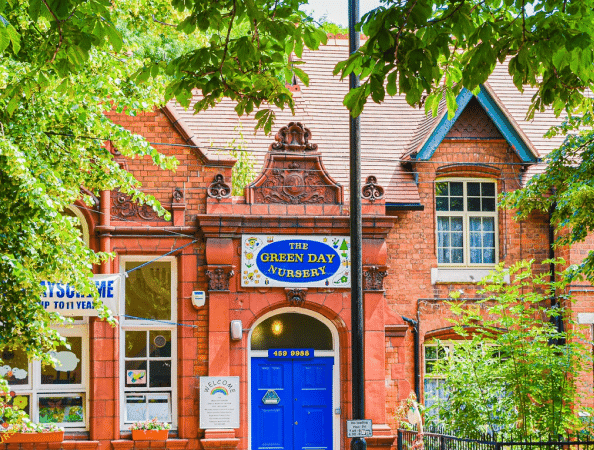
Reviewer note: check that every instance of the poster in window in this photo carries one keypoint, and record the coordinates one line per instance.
(135, 377)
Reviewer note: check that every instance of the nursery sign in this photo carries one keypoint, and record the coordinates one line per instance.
(289, 261)
(63, 299)
(219, 402)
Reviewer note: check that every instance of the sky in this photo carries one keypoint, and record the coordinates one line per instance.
(336, 11)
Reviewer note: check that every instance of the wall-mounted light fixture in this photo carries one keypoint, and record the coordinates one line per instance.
(236, 330)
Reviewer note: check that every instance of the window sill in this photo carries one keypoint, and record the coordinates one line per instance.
(464, 275)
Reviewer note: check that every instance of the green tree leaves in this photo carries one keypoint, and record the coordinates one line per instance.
(506, 375)
(55, 91)
(548, 45)
(247, 56)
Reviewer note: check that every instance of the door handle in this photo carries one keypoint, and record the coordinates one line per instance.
(295, 423)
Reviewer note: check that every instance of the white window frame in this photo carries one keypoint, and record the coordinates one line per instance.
(466, 222)
(35, 389)
(147, 325)
(449, 348)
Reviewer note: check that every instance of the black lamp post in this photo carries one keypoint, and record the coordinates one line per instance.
(357, 349)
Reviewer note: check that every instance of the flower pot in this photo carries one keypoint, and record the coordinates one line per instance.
(22, 438)
(150, 435)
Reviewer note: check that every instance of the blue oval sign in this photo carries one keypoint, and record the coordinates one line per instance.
(298, 261)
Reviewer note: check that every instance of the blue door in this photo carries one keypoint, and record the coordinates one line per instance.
(292, 404)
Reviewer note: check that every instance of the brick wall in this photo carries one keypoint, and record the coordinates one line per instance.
(412, 251)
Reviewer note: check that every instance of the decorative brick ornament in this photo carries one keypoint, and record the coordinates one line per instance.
(371, 190)
(218, 278)
(296, 297)
(373, 278)
(219, 189)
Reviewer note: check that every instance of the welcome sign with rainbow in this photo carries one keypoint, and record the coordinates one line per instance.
(219, 402)
(219, 390)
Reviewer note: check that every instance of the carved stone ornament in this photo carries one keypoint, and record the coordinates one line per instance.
(218, 278)
(124, 208)
(293, 138)
(293, 178)
(219, 189)
(371, 190)
(296, 297)
(178, 195)
(373, 278)
(294, 185)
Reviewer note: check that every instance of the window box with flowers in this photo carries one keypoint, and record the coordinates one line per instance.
(150, 430)
(17, 428)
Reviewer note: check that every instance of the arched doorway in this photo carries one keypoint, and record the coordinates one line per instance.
(293, 383)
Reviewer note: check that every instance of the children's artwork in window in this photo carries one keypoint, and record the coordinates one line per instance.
(135, 377)
(68, 368)
(14, 367)
(20, 402)
(66, 409)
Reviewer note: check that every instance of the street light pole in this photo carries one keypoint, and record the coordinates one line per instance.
(357, 350)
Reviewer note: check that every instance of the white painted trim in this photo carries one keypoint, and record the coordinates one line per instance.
(83, 222)
(144, 325)
(335, 370)
(465, 215)
(445, 275)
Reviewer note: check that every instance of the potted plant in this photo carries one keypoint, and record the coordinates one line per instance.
(150, 430)
(27, 431)
(17, 428)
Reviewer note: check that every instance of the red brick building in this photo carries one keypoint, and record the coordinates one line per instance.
(430, 225)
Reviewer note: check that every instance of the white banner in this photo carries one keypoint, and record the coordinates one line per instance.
(63, 299)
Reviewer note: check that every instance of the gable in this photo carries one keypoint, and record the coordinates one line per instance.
(500, 119)
(474, 123)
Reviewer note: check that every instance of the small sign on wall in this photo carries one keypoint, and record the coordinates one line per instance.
(359, 428)
(219, 402)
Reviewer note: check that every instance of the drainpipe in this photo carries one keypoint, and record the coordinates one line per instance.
(558, 321)
(415, 330)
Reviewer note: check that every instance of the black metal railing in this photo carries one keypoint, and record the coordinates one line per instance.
(440, 440)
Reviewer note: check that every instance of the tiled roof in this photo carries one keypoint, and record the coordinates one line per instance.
(388, 130)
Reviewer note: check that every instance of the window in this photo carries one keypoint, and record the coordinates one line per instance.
(83, 227)
(466, 222)
(49, 394)
(148, 341)
(433, 380)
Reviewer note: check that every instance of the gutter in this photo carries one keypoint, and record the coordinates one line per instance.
(392, 207)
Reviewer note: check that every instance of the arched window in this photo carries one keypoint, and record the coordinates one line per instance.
(74, 211)
(291, 330)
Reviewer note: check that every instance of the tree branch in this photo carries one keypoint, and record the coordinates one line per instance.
(163, 23)
(59, 31)
(231, 19)
(401, 29)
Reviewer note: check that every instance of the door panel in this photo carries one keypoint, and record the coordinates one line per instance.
(312, 388)
(302, 419)
(272, 426)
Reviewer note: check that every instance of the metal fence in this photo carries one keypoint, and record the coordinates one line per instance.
(439, 440)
